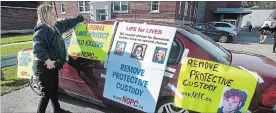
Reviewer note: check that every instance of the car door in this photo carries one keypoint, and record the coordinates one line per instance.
(211, 32)
(73, 76)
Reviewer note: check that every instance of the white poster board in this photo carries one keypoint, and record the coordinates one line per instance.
(136, 64)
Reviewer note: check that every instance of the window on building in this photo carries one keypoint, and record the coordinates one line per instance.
(154, 5)
(62, 8)
(180, 7)
(119, 6)
(186, 8)
(83, 6)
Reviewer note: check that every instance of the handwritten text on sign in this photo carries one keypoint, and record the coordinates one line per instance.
(212, 84)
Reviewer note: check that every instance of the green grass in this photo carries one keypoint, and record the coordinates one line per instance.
(14, 48)
(8, 39)
(11, 82)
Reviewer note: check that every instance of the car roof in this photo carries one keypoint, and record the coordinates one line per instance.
(225, 23)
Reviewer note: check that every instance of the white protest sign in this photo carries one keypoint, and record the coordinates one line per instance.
(137, 63)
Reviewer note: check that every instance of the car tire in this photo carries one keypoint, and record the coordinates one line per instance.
(166, 105)
(223, 38)
(34, 84)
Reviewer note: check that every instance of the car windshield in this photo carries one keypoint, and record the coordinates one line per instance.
(216, 50)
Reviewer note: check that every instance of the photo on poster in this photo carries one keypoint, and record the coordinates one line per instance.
(138, 51)
(120, 48)
(232, 100)
(159, 55)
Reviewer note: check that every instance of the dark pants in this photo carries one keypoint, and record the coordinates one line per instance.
(48, 79)
(274, 45)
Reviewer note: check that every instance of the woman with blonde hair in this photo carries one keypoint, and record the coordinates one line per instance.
(50, 53)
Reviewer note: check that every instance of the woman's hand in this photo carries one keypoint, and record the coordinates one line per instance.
(50, 64)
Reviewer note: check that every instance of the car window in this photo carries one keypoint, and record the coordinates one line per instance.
(210, 27)
(199, 26)
(214, 49)
(221, 25)
(176, 52)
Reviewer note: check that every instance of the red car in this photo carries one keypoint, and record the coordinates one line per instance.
(85, 78)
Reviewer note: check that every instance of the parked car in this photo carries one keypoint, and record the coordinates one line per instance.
(85, 78)
(215, 34)
(225, 26)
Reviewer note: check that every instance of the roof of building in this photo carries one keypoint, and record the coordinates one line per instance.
(233, 10)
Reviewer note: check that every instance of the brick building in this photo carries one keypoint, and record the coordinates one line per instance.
(224, 11)
(168, 11)
(207, 10)
(18, 17)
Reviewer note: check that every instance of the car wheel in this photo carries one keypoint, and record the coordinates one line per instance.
(223, 38)
(36, 88)
(166, 105)
(33, 82)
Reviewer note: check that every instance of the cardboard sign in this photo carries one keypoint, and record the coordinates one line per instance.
(91, 41)
(25, 63)
(217, 87)
(136, 64)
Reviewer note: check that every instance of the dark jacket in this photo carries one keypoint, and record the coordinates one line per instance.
(48, 42)
(273, 30)
(265, 30)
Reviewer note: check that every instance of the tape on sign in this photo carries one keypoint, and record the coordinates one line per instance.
(168, 74)
(103, 75)
(259, 79)
(175, 91)
(170, 69)
(184, 55)
(105, 62)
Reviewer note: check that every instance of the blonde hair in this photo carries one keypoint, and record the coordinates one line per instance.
(43, 14)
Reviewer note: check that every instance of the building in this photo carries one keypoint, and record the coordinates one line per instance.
(222, 11)
(18, 17)
(169, 11)
(258, 17)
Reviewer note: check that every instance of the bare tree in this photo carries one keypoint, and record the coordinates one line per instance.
(260, 4)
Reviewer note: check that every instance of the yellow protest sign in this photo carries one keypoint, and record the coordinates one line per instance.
(212, 87)
(25, 63)
(91, 41)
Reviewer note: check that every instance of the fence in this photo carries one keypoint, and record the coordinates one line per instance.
(8, 60)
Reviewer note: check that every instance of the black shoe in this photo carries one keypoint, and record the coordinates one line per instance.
(61, 111)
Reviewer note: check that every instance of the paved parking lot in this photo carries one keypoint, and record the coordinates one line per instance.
(249, 42)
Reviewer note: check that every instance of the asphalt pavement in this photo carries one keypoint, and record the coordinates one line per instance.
(25, 100)
(249, 42)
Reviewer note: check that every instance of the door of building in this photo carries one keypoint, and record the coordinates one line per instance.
(100, 14)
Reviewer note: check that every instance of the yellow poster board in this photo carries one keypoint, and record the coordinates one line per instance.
(91, 41)
(212, 87)
(25, 63)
